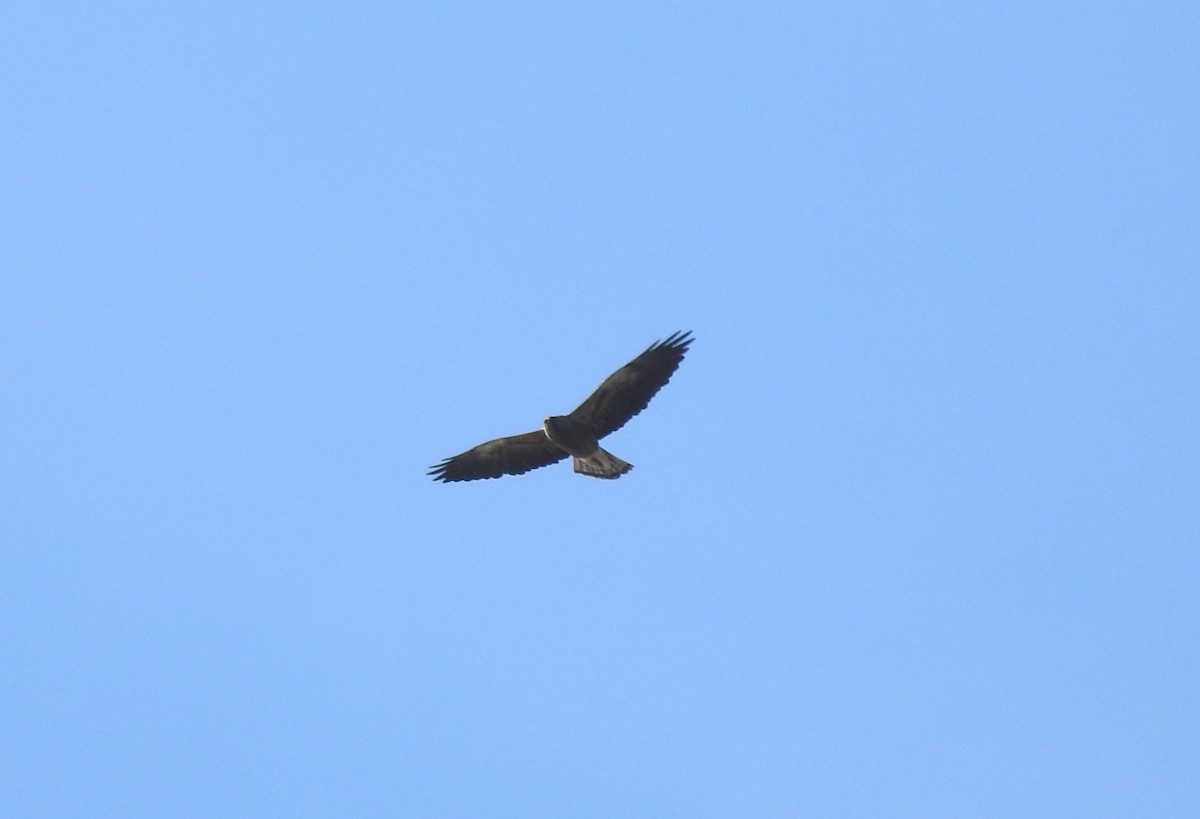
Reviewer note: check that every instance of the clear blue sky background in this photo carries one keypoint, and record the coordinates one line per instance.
(914, 531)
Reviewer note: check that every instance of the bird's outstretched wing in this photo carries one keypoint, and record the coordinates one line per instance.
(626, 392)
(514, 455)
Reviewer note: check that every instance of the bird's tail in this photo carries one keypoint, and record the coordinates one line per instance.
(602, 464)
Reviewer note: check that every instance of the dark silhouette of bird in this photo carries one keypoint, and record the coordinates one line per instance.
(621, 396)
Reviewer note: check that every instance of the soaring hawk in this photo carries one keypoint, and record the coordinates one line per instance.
(623, 395)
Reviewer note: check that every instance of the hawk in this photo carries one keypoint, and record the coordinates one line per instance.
(623, 395)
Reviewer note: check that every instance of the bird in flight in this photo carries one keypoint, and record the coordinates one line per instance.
(623, 395)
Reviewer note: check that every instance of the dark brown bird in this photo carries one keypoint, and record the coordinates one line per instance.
(623, 395)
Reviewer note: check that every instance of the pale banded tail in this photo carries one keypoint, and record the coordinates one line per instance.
(602, 464)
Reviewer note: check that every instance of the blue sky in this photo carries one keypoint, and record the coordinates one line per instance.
(913, 531)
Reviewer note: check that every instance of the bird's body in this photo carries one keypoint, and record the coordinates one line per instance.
(621, 396)
(590, 459)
